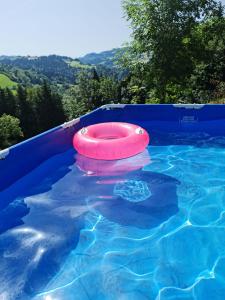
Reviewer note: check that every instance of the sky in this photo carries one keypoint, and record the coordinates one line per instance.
(64, 27)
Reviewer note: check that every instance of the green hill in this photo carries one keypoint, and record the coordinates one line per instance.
(105, 58)
(29, 70)
(6, 82)
(77, 64)
(59, 70)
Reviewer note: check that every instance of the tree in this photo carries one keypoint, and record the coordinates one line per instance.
(8, 103)
(49, 108)
(10, 131)
(89, 89)
(90, 92)
(27, 113)
(108, 91)
(164, 49)
(208, 79)
(74, 106)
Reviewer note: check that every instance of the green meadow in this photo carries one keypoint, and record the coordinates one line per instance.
(6, 82)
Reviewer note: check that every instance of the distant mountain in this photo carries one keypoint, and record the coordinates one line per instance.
(105, 58)
(60, 70)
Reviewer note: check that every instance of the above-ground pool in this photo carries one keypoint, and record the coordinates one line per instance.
(147, 227)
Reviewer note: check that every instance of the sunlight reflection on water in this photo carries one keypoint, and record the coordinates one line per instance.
(137, 229)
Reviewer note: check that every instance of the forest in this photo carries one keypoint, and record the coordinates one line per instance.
(177, 55)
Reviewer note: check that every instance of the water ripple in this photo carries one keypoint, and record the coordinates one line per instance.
(152, 234)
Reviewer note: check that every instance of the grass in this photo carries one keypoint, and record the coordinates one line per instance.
(77, 64)
(6, 82)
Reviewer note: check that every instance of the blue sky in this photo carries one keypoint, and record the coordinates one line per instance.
(66, 27)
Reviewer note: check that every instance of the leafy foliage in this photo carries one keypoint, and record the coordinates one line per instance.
(10, 131)
(173, 42)
(37, 108)
(49, 108)
(90, 92)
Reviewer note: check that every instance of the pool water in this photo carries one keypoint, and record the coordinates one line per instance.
(149, 227)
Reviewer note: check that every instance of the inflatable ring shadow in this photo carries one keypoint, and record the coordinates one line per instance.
(121, 192)
(130, 196)
(12, 205)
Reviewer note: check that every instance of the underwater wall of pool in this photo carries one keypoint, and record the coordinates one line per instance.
(151, 226)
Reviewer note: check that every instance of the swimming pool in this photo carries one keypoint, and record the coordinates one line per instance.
(147, 227)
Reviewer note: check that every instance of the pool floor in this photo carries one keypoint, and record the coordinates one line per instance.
(148, 227)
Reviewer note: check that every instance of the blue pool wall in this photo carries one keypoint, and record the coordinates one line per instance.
(24, 157)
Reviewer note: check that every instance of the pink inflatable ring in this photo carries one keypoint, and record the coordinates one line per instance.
(109, 141)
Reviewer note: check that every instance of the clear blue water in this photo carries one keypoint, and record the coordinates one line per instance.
(149, 227)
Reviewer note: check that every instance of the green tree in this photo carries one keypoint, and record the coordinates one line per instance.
(208, 78)
(164, 49)
(10, 131)
(89, 89)
(49, 108)
(27, 115)
(74, 105)
(90, 92)
(8, 103)
(108, 91)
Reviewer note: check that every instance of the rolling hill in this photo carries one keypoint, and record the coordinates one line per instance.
(105, 58)
(6, 82)
(63, 70)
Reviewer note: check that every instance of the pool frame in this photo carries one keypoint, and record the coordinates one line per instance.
(20, 159)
